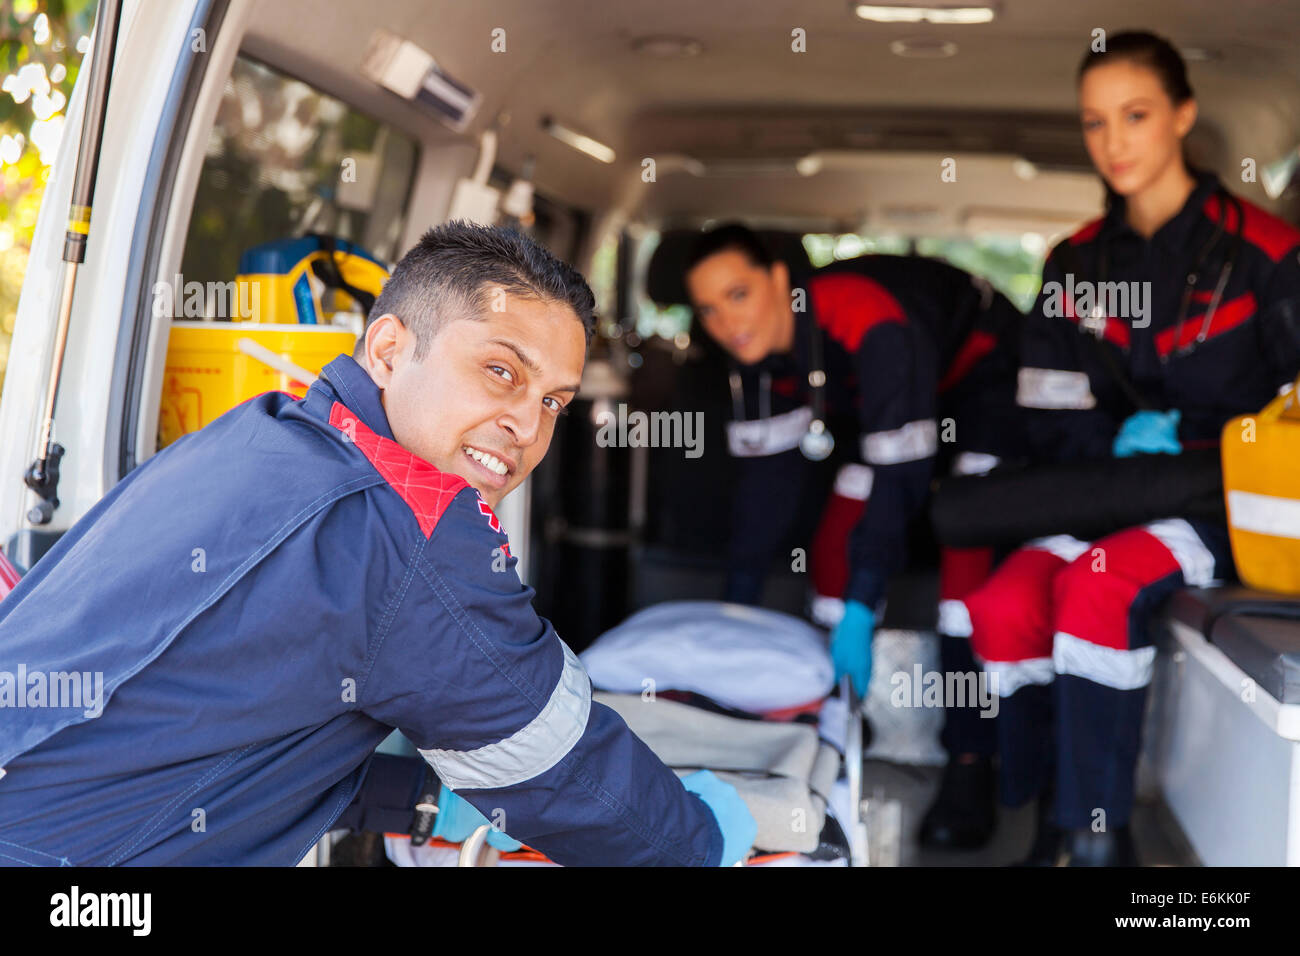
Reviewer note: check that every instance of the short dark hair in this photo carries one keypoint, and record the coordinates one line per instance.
(448, 273)
(730, 236)
(1147, 50)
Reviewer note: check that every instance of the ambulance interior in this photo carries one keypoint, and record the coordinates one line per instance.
(634, 125)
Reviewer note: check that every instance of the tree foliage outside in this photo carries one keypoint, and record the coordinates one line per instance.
(41, 46)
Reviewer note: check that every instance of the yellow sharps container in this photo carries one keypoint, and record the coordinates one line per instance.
(213, 366)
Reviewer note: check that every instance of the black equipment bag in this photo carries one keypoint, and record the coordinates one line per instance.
(1083, 499)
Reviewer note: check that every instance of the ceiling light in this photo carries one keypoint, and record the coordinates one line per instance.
(583, 144)
(809, 165)
(906, 13)
(923, 48)
(668, 47)
(1024, 169)
(912, 214)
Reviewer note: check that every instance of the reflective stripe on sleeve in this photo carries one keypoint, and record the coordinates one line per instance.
(975, 463)
(913, 442)
(1053, 388)
(954, 618)
(757, 437)
(531, 750)
(854, 481)
(827, 611)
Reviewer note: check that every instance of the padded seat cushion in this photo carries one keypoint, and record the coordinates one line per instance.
(1258, 631)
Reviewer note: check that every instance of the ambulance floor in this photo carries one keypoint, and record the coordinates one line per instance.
(1160, 841)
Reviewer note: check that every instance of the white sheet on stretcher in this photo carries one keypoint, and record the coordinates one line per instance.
(781, 770)
(743, 657)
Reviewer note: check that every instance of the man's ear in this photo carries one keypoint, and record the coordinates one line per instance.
(384, 339)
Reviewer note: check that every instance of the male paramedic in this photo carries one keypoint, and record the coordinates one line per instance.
(913, 362)
(262, 602)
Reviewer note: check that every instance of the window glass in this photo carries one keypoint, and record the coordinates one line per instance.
(284, 159)
(1013, 264)
(669, 321)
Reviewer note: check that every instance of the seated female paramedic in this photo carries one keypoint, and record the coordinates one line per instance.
(257, 606)
(911, 364)
(1063, 623)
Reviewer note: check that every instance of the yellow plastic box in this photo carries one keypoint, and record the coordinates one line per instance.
(1261, 478)
(213, 366)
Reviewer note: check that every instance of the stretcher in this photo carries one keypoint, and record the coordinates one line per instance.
(796, 764)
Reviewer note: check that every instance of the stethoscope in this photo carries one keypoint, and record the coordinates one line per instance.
(1097, 325)
(816, 443)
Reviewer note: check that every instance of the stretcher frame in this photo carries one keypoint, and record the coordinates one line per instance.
(475, 851)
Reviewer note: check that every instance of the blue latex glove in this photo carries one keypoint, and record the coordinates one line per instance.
(1148, 433)
(851, 645)
(737, 824)
(457, 819)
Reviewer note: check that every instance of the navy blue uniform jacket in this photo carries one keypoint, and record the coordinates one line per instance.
(920, 364)
(1212, 366)
(263, 601)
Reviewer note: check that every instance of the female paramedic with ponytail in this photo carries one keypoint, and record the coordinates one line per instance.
(1215, 333)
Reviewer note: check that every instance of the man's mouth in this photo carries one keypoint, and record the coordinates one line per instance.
(495, 469)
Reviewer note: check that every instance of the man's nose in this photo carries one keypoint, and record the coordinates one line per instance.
(523, 420)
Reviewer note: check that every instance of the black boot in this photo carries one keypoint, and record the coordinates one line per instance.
(1046, 848)
(963, 815)
(1113, 847)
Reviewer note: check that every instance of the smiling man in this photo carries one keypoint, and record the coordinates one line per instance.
(268, 597)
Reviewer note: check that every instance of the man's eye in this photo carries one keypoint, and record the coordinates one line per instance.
(502, 372)
(1091, 124)
(738, 294)
(1136, 117)
(556, 407)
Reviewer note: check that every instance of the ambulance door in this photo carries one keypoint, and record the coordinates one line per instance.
(171, 58)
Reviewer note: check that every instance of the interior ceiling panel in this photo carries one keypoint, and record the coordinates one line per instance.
(1008, 89)
(883, 192)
